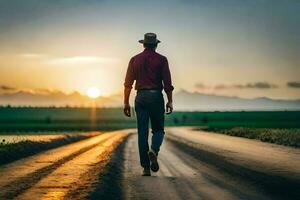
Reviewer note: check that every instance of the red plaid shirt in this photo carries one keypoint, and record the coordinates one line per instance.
(150, 70)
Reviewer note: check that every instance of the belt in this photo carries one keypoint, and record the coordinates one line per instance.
(149, 90)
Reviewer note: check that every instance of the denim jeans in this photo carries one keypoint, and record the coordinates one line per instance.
(149, 105)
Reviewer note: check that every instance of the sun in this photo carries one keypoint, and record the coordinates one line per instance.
(93, 92)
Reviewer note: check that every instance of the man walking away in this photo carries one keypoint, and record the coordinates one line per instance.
(151, 72)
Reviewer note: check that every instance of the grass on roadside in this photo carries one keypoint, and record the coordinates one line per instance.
(288, 137)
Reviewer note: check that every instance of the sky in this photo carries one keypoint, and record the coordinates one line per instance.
(244, 48)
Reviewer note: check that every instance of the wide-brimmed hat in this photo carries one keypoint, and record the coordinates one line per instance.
(149, 38)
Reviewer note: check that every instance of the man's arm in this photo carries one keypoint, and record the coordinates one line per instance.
(169, 105)
(168, 87)
(127, 111)
(129, 79)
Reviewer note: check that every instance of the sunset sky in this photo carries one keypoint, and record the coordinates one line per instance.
(246, 48)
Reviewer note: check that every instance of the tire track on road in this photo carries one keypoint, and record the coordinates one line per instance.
(278, 187)
(16, 187)
(183, 176)
(28, 165)
(75, 178)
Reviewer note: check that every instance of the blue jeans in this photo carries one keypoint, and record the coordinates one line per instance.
(149, 105)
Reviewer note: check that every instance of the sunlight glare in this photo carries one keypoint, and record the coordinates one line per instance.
(93, 92)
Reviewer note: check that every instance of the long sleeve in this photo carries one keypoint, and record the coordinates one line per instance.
(166, 75)
(129, 79)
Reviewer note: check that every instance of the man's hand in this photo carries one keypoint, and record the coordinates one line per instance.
(169, 108)
(127, 110)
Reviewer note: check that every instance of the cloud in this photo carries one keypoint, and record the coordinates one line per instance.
(200, 86)
(68, 60)
(255, 85)
(7, 88)
(46, 91)
(81, 60)
(32, 55)
(293, 84)
(222, 86)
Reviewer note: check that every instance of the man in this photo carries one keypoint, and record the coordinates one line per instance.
(151, 72)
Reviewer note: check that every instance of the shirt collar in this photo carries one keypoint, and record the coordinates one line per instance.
(149, 50)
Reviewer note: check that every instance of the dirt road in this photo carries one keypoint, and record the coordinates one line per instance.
(193, 165)
(182, 177)
(201, 165)
(68, 172)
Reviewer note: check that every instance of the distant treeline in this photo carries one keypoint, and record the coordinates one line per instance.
(82, 119)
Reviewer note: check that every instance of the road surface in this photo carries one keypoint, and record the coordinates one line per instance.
(68, 172)
(202, 165)
(193, 165)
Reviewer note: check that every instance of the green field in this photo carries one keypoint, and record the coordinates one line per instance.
(83, 119)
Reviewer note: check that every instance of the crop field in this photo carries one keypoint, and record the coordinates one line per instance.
(84, 119)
